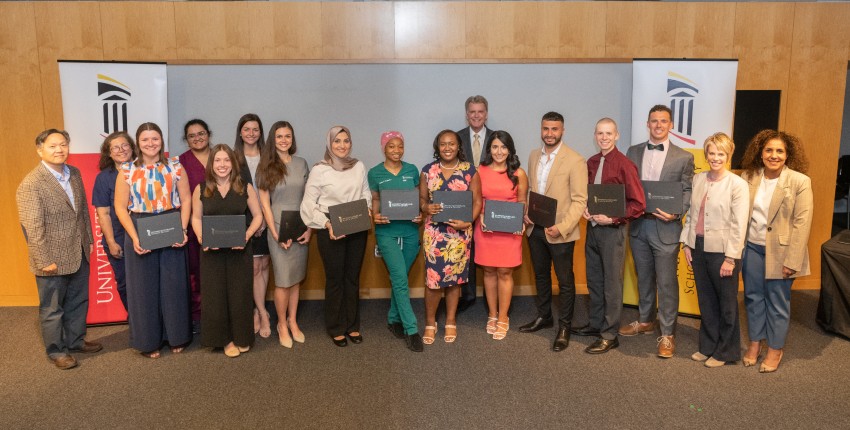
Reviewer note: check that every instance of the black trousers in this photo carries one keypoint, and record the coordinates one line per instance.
(543, 256)
(342, 259)
(719, 330)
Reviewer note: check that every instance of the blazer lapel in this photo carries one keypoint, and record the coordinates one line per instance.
(754, 182)
(55, 189)
(640, 151)
(532, 171)
(668, 161)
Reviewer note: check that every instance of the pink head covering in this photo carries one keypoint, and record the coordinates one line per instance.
(388, 136)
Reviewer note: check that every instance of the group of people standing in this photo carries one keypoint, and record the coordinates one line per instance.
(758, 223)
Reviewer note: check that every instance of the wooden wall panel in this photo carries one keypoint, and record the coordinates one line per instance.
(214, 30)
(286, 31)
(22, 118)
(429, 30)
(640, 30)
(705, 30)
(357, 31)
(66, 31)
(763, 43)
(138, 31)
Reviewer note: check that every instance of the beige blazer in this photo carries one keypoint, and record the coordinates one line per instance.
(567, 183)
(55, 232)
(789, 222)
(726, 214)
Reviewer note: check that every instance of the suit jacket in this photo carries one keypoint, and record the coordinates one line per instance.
(726, 215)
(678, 166)
(467, 144)
(789, 222)
(567, 183)
(54, 231)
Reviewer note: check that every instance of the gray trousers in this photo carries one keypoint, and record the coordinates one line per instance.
(605, 252)
(656, 265)
(63, 303)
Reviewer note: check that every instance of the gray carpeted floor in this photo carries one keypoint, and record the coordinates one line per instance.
(474, 383)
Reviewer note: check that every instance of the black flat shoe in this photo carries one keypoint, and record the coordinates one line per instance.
(340, 342)
(414, 342)
(585, 331)
(355, 339)
(602, 346)
(562, 340)
(397, 330)
(537, 324)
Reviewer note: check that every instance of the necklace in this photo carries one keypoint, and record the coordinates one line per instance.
(457, 162)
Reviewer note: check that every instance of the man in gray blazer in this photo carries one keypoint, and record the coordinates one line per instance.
(473, 139)
(52, 208)
(655, 236)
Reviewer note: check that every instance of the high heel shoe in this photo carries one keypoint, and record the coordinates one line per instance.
(750, 359)
(767, 368)
(448, 337)
(283, 336)
(501, 330)
(426, 339)
(491, 325)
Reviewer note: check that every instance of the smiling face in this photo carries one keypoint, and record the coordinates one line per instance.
(773, 156)
(119, 150)
(222, 165)
(447, 146)
(716, 158)
(341, 145)
(150, 143)
(250, 132)
(197, 137)
(283, 140)
(394, 150)
(551, 133)
(659, 125)
(499, 152)
(606, 136)
(476, 116)
(54, 150)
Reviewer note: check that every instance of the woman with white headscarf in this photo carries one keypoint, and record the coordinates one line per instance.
(337, 179)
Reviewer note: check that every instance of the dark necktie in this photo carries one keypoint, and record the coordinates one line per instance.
(659, 147)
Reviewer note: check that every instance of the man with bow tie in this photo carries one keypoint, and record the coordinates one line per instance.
(655, 236)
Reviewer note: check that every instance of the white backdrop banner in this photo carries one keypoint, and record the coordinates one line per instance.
(98, 99)
(701, 95)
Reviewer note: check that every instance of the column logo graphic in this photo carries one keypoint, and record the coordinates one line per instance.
(115, 97)
(683, 94)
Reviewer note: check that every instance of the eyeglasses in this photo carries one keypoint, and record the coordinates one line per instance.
(121, 148)
(200, 135)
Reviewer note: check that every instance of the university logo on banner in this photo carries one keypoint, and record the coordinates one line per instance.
(97, 100)
(701, 97)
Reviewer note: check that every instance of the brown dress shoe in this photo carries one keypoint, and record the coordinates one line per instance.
(65, 362)
(666, 347)
(635, 328)
(89, 347)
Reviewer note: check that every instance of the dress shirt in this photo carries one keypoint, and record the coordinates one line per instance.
(653, 161)
(64, 181)
(545, 165)
(761, 204)
(618, 169)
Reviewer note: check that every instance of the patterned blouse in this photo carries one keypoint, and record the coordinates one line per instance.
(153, 187)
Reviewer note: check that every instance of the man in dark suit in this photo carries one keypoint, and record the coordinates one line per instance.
(473, 139)
(655, 236)
(52, 208)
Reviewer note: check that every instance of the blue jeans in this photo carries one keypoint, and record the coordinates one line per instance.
(768, 301)
(63, 302)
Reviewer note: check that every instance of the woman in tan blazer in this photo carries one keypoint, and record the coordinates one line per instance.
(713, 240)
(780, 221)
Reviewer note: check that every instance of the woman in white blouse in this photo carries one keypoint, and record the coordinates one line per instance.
(337, 179)
(777, 239)
(713, 240)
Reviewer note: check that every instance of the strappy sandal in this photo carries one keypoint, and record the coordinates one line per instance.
(428, 340)
(501, 330)
(153, 354)
(450, 338)
(265, 329)
(491, 325)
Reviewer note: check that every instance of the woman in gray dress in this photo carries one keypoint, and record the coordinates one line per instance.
(281, 177)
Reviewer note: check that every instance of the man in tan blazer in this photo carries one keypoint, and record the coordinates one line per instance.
(556, 171)
(53, 212)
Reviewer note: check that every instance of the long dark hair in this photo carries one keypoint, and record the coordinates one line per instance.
(272, 169)
(106, 150)
(209, 174)
(795, 156)
(149, 126)
(239, 145)
(460, 155)
(512, 162)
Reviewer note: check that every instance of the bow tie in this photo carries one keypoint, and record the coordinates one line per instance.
(659, 147)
